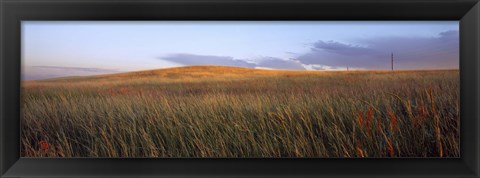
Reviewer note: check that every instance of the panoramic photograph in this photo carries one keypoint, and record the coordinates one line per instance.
(240, 89)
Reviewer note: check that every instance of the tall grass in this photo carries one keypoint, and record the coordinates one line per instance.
(244, 114)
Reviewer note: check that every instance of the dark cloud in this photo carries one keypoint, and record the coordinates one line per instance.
(341, 48)
(409, 52)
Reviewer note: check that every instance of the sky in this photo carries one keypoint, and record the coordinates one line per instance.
(53, 49)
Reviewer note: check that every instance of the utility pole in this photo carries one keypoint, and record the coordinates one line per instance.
(347, 68)
(392, 60)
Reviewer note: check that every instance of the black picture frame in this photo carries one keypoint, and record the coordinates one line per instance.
(12, 12)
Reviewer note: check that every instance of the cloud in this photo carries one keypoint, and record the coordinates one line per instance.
(46, 72)
(193, 59)
(263, 62)
(441, 51)
(341, 48)
(82, 69)
(277, 63)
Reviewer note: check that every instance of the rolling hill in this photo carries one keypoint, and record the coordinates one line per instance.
(207, 73)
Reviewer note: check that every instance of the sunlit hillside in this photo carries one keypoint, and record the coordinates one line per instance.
(190, 72)
(200, 73)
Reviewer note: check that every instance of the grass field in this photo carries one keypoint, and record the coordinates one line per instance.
(209, 111)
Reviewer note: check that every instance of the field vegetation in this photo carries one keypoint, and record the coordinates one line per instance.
(212, 111)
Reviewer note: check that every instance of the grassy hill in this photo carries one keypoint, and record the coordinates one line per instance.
(212, 111)
(213, 72)
(185, 73)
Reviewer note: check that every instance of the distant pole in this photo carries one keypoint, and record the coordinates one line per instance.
(392, 61)
(347, 68)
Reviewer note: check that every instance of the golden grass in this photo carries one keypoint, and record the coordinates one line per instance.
(210, 111)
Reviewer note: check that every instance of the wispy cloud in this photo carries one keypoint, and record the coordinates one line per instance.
(76, 69)
(46, 72)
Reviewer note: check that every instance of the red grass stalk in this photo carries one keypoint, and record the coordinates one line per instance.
(422, 111)
(44, 145)
(359, 150)
(393, 121)
(360, 119)
(368, 120)
(390, 148)
(422, 114)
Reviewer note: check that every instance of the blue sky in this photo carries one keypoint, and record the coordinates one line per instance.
(61, 48)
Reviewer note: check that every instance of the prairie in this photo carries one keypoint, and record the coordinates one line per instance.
(213, 111)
